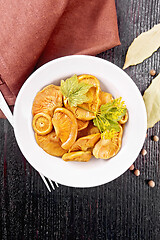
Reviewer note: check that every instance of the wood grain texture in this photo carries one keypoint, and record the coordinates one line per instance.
(124, 209)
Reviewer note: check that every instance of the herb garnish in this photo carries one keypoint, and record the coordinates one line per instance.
(108, 116)
(75, 91)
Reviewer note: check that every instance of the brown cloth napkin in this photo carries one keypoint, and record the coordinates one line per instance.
(34, 32)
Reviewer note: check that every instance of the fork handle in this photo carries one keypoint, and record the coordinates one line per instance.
(5, 109)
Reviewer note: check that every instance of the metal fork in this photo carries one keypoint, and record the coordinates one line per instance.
(50, 181)
(7, 112)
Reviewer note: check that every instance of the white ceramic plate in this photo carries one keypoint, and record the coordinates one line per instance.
(96, 171)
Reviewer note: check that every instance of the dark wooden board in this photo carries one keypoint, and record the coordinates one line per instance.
(126, 208)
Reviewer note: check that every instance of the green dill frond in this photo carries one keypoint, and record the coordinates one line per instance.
(108, 116)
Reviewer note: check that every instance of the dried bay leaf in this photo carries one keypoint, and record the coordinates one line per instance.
(151, 99)
(143, 46)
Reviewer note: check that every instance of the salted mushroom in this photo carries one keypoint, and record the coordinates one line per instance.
(82, 124)
(90, 129)
(47, 100)
(65, 125)
(51, 144)
(85, 143)
(105, 97)
(79, 156)
(107, 148)
(124, 119)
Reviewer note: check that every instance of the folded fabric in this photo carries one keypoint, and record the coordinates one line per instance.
(34, 32)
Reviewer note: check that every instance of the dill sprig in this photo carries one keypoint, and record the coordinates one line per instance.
(108, 116)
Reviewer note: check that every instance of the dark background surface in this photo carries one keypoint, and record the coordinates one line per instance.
(126, 208)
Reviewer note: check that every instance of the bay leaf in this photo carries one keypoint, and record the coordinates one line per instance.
(151, 99)
(143, 47)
